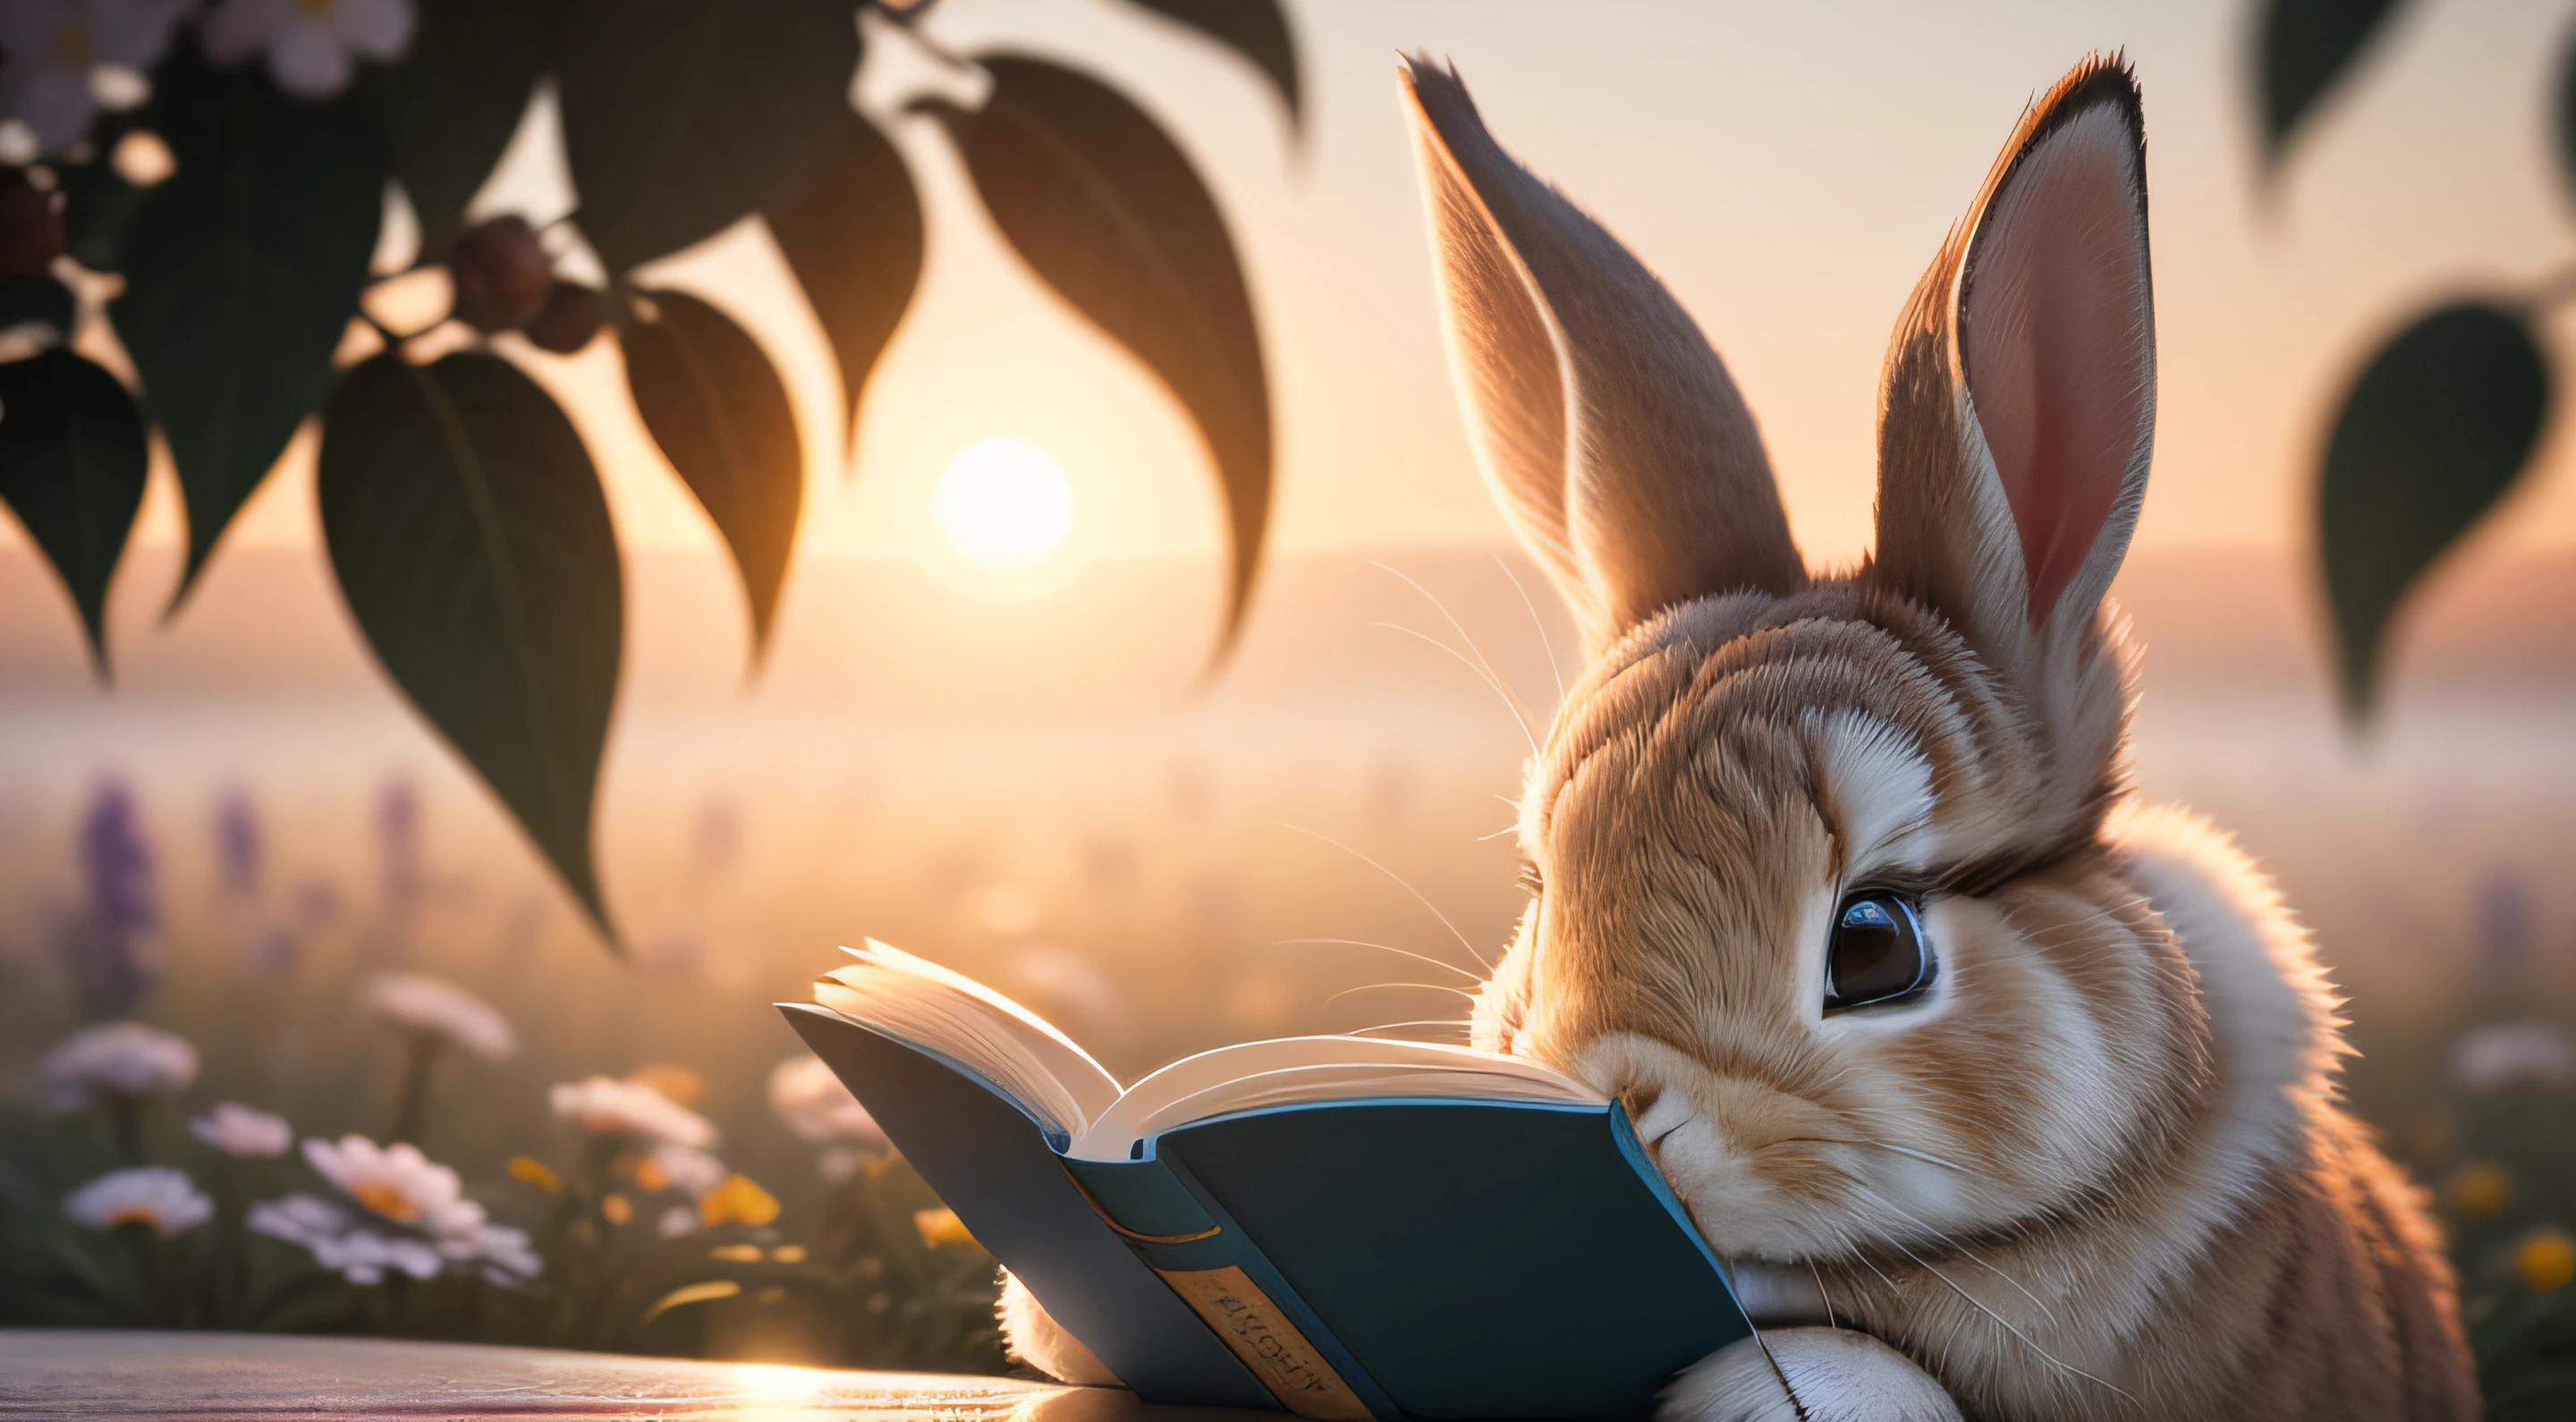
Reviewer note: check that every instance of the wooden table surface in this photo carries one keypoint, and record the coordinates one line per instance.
(66, 1373)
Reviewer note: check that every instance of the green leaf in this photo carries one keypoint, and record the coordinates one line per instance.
(72, 461)
(98, 207)
(242, 272)
(682, 116)
(40, 299)
(1255, 29)
(2438, 427)
(854, 241)
(720, 414)
(471, 539)
(2304, 48)
(449, 109)
(1107, 210)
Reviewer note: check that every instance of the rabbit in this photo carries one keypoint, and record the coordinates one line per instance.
(2007, 1096)
(2004, 1095)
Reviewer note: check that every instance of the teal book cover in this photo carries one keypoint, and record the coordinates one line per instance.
(1331, 1227)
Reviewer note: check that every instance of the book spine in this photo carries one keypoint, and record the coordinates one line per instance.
(1217, 1270)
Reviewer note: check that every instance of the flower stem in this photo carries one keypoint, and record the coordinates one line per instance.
(411, 1109)
(125, 1118)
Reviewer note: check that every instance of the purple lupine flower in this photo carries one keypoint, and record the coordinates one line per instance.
(238, 842)
(2505, 915)
(402, 884)
(112, 948)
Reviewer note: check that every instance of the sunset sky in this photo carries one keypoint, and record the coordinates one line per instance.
(1788, 169)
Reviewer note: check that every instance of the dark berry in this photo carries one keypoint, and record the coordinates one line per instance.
(503, 275)
(571, 317)
(31, 226)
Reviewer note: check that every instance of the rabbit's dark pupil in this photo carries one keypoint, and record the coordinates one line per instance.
(1877, 951)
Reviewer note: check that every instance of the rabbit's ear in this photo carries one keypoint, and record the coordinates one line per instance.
(1610, 432)
(2019, 408)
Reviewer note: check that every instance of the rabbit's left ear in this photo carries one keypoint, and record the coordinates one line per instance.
(1610, 432)
(2019, 408)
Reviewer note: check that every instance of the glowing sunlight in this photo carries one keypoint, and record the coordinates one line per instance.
(1002, 505)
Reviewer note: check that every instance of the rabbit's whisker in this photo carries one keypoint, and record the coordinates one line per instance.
(1520, 709)
(1999, 1320)
(1546, 643)
(1381, 987)
(1511, 701)
(1400, 882)
(1951, 1244)
(1450, 1022)
(1383, 948)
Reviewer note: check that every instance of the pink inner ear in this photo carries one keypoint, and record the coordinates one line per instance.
(2053, 326)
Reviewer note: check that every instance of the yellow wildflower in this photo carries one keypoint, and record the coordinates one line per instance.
(618, 1209)
(789, 1254)
(2480, 1189)
(680, 1084)
(736, 1253)
(2546, 1260)
(940, 1227)
(737, 1199)
(532, 1170)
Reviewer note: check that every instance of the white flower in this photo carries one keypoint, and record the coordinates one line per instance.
(155, 1195)
(115, 1060)
(396, 1183)
(2513, 1054)
(677, 1220)
(688, 1169)
(340, 1243)
(421, 1004)
(236, 1129)
(614, 1107)
(312, 45)
(815, 1105)
(413, 1217)
(61, 53)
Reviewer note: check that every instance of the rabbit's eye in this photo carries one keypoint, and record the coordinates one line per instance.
(1878, 951)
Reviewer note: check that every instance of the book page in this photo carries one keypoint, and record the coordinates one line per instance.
(1018, 1051)
(1303, 1070)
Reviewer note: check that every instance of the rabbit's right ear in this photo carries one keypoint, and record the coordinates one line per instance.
(1608, 429)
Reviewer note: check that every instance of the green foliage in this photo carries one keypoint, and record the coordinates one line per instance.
(2304, 48)
(2526, 1349)
(72, 461)
(854, 242)
(682, 116)
(2436, 429)
(1107, 210)
(450, 109)
(496, 607)
(471, 540)
(721, 416)
(35, 299)
(1254, 29)
(2444, 419)
(242, 271)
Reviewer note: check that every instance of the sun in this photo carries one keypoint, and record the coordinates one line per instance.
(1002, 505)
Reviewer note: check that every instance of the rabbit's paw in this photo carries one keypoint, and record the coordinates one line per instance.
(1839, 1376)
(1034, 1337)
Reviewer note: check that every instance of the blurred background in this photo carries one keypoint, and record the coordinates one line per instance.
(1010, 762)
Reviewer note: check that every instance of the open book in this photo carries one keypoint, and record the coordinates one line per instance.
(1341, 1227)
